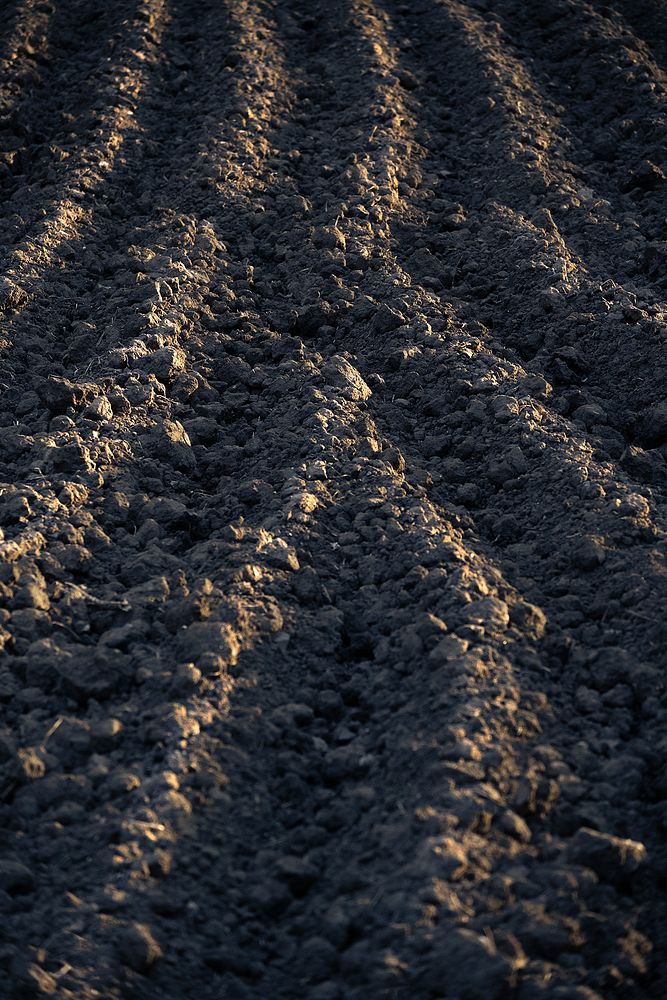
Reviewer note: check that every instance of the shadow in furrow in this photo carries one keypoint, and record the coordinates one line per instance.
(610, 143)
(23, 47)
(551, 288)
(50, 118)
(648, 22)
(122, 202)
(40, 261)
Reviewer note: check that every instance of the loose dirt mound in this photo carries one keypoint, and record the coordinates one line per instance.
(333, 462)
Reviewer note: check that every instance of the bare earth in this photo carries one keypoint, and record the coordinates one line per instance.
(333, 481)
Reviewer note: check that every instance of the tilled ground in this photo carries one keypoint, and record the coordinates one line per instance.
(333, 467)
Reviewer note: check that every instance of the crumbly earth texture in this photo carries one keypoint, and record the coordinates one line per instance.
(333, 473)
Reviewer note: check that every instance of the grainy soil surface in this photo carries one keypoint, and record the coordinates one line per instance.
(333, 480)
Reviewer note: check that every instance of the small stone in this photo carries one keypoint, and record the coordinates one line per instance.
(407, 79)
(517, 461)
(137, 947)
(120, 404)
(639, 463)
(468, 494)
(309, 320)
(550, 299)
(173, 444)
(203, 430)
(169, 512)
(187, 385)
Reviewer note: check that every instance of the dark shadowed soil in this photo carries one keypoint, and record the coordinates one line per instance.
(333, 480)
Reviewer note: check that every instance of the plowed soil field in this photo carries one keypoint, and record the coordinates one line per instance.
(333, 482)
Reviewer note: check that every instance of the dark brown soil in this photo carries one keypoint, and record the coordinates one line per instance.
(333, 479)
